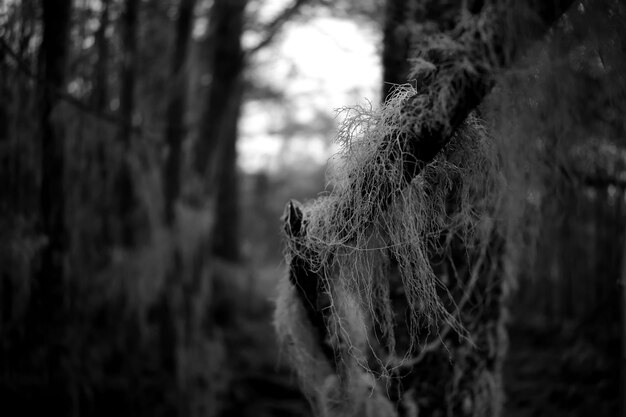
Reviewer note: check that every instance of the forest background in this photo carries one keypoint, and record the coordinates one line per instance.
(139, 260)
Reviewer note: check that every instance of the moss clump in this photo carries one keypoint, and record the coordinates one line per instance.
(375, 232)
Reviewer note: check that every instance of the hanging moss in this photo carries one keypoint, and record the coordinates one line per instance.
(385, 246)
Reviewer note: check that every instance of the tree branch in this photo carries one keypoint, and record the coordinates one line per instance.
(515, 28)
(274, 27)
(308, 278)
(463, 75)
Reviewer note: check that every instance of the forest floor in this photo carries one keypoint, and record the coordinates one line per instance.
(551, 370)
(261, 384)
(561, 370)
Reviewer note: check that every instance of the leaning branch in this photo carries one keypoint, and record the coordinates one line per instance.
(461, 70)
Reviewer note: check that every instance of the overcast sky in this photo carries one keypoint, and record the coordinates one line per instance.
(323, 64)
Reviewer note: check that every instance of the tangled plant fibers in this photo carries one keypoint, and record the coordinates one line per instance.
(376, 220)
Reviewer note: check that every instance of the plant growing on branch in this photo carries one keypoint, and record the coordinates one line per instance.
(413, 178)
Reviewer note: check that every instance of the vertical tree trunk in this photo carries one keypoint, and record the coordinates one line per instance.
(4, 113)
(128, 70)
(49, 308)
(226, 231)
(216, 156)
(100, 102)
(124, 181)
(174, 300)
(436, 380)
(175, 130)
(405, 21)
(623, 327)
(395, 45)
(99, 95)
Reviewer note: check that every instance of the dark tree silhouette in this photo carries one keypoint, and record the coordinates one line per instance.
(128, 70)
(215, 159)
(49, 303)
(100, 90)
(176, 108)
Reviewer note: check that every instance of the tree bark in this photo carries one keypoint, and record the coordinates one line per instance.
(215, 156)
(407, 21)
(432, 131)
(6, 92)
(174, 298)
(128, 70)
(226, 230)
(225, 67)
(176, 108)
(430, 124)
(49, 302)
(99, 95)
(395, 45)
(100, 102)
(434, 378)
(623, 329)
(124, 180)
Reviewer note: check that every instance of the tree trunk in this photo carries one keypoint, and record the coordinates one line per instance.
(434, 379)
(406, 23)
(100, 102)
(99, 95)
(176, 108)
(445, 379)
(174, 299)
(128, 70)
(226, 231)
(49, 301)
(623, 328)
(4, 112)
(318, 332)
(396, 40)
(124, 181)
(215, 157)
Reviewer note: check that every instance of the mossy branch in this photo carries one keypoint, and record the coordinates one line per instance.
(309, 279)
(393, 187)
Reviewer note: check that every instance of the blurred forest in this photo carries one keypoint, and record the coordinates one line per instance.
(139, 261)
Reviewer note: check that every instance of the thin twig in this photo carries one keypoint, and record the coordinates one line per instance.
(274, 27)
